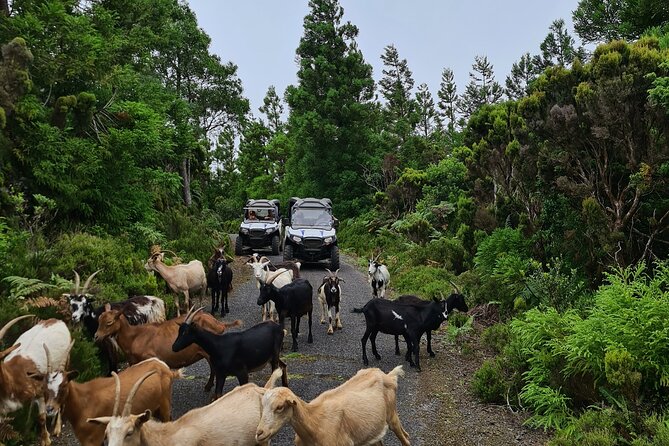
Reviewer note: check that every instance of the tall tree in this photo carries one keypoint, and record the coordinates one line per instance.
(448, 98)
(331, 113)
(428, 119)
(397, 84)
(606, 20)
(522, 73)
(558, 48)
(272, 108)
(482, 88)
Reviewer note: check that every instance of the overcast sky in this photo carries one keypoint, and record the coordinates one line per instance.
(260, 36)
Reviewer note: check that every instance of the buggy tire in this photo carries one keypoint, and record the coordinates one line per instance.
(275, 245)
(288, 252)
(239, 246)
(334, 258)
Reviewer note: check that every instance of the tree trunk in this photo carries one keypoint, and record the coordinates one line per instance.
(185, 175)
(4, 8)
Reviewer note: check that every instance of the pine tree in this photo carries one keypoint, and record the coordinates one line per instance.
(331, 117)
(482, 88)
(448, 98)
(522, 74)
(273, 109)
(397, 83)
(428, 118)
(558, 48)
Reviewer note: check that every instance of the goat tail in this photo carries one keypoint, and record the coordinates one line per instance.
(396, 372)
(357, 310)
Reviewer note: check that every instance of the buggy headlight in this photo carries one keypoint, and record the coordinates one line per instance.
(328, 240)
(296, 238)
(269, 230)
(245, 231)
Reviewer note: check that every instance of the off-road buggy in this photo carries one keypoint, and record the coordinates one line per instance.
(310, 234)
(261, 227)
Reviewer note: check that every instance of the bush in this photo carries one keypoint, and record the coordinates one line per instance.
(424, 281)
(489, 382)
(496, 337)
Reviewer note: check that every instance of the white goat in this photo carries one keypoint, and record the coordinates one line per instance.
(278, 278)
(359, 412)
(25, 365)
(188, 278)
(230, 420)
(379, 277)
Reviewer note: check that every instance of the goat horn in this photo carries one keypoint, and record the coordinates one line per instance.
(172, 252)
(190, 311)
(9, 324)
(88, 281)
(48, 359)
(192, 316)
(77, 280)
(337, 271)
(117, 394)
(455, 286)
(67, 355)
(330, 272)
(128, 402)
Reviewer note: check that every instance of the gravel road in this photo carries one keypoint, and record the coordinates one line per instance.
(435, 406)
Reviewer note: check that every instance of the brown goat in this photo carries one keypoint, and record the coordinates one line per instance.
(99, 397)
(140, 342)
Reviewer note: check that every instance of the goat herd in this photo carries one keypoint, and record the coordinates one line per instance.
(118, 409)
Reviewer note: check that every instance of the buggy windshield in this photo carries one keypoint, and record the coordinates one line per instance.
(256, 214)
(312, 217)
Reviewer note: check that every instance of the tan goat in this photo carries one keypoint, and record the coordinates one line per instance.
(140, 342)
(230, 420)
(359, 412)
(188, 278)
(100, 397)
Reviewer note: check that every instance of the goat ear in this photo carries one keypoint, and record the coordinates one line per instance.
(292, 401)
(107, 307)
(99, 420)
(4, 353)
(435, 299)
(143, 418)
(72, 374)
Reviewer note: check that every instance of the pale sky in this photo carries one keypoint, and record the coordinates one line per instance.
(261, 36)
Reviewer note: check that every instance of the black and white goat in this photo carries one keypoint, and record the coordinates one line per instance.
(219, 280)
(293, 300)
(394, 318)
(378, 277)
(455, 301)
(137, 309)
(329, 295)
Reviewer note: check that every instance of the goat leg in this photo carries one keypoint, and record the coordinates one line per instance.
(338, 325)
(429, 343)
(310, 338)
(210, 382)
(225, 300)
(372, 338)
(365, 361)
(397, 345)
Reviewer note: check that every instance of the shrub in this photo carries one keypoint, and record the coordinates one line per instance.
(424, 281)
(489, 383)
(496, 337)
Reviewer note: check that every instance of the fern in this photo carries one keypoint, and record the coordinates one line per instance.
(41, 302)
(7, 431)
(23, 287)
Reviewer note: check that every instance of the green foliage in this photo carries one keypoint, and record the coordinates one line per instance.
(424, 281)
(489, 383)
(496, 337)
(22, 287)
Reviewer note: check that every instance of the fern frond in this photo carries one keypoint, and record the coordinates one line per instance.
(22, 287)
(40, 302)
(7, 431)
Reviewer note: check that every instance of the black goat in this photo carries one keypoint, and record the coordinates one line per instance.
(455, 301)
(408, 321)
(235, 353)
(219, 280)
(137, 309)
(329, 295)
(293, 300)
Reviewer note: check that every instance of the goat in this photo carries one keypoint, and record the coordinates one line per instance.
(25, 363)
(236, 353)
(137, 309)
(455, 301)
(100, 397)
(378, 277)
(181, 278)
(230, 420)
(396, 318)
(219, 280)
(359, 412)
(293, 300)
(279, 278)
(329, 295)
(140, 342)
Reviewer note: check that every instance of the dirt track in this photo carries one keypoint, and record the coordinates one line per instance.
(435, 406)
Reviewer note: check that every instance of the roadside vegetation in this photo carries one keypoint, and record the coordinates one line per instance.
(545, 197)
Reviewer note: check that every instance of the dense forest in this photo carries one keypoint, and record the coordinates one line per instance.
(544, 195)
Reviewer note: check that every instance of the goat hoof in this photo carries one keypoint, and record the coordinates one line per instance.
(310, 340)
(322, 321)
(378, 357)
(330, 331)
(397, 353)
(365, 361)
